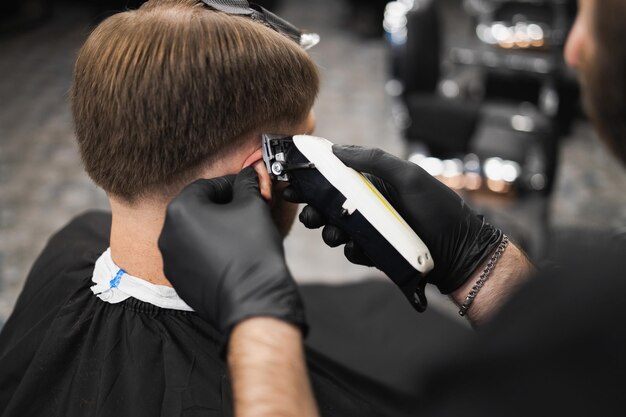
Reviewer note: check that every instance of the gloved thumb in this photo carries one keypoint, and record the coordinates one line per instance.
(246, 184)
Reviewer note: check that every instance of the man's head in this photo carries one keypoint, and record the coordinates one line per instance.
(595, 48)
(163, 92)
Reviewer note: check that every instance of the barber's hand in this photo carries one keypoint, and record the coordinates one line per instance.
(224, 255)
(458, 239)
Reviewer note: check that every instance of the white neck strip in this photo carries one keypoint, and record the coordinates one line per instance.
(114, 285)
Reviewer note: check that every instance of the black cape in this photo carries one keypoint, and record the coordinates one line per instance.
(64, 352)
(557, 348)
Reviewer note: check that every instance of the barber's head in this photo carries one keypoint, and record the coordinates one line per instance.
(165, 91)
(595, 48)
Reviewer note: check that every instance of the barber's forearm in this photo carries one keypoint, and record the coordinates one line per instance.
(512, 270)
(268, 370)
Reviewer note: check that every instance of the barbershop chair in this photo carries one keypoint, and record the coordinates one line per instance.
(482, 96)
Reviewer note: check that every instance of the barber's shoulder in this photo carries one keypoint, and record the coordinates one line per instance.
(589, 257)
(582, 279)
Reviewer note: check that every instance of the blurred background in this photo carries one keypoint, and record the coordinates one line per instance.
(475, 91)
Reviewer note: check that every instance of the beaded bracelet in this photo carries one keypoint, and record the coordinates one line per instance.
(484, 276)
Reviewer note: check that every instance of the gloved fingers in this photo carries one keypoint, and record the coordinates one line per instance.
(354, 253)
(222, 189)
(217, 190)
(311, 218)
(372, 160)
(291, 195)
(246, 185)
(334, 236)
(201, 194)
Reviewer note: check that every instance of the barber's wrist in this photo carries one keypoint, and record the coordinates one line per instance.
(293, 318)
(268, 332)
(480, 241)
(512, 268)
(264, 333)
(267, 368)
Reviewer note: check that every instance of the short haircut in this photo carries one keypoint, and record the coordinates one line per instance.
(162, 91)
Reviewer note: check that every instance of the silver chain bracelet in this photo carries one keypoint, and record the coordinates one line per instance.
(484, 276)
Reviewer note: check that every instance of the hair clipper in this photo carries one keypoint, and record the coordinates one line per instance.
(349, 201)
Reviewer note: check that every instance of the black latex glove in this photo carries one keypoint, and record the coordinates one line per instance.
(224, 255)
(458, 239)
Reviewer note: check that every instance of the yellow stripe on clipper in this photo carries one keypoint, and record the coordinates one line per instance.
(381, 198)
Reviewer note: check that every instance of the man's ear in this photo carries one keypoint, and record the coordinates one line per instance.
(265, 182)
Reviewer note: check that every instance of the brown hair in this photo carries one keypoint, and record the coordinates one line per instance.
(605, 75)
(163, 90)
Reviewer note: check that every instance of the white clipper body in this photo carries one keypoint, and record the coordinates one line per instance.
(362, 196)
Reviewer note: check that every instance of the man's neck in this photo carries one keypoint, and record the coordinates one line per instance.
(134, 235)
(136, 227)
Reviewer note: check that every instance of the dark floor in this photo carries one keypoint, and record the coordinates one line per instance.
(42, 184)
